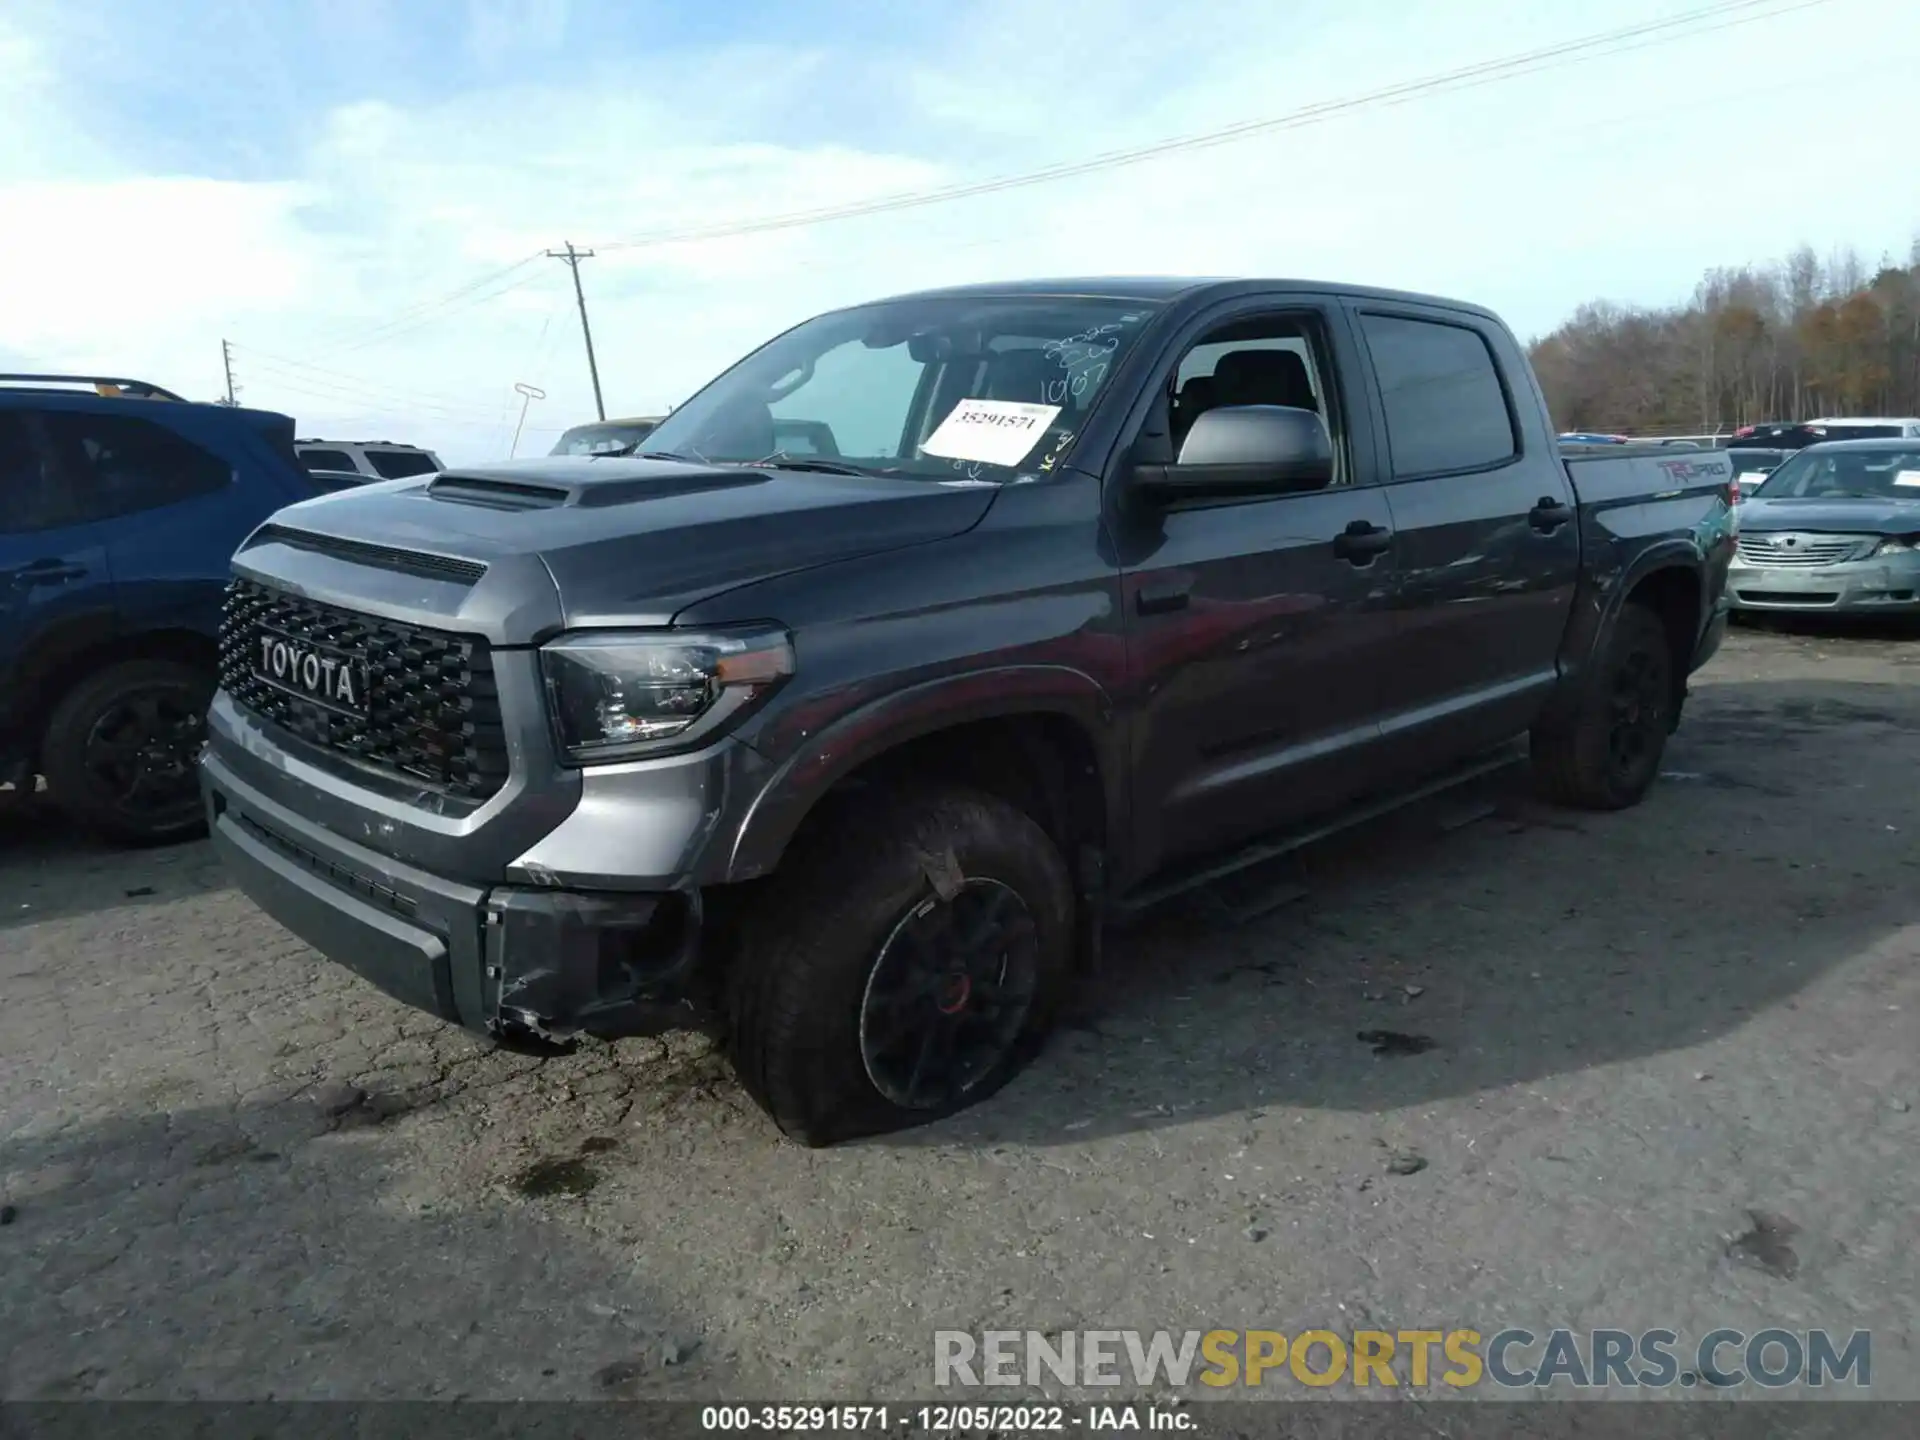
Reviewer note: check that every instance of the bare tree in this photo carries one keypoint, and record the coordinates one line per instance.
(1783, 342)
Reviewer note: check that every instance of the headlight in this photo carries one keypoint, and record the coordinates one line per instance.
(619, 695)
(1895, 546)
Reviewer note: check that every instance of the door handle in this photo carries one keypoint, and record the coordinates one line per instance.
(47, 572)
(1361, 541)
(1549, 515)
(1163, 598)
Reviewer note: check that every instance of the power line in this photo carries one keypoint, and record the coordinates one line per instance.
(407, 314)
(283, 363)
(389, 401)
(435, 317)
(573, 258)
(1484, 72)
(292, 376)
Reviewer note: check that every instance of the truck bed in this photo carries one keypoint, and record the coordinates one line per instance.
(1611, 474)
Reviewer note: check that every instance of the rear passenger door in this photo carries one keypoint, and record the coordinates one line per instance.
(1487, 541)
(166, 502)
(56, 584)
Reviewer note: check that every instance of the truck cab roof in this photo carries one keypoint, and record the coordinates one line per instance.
(1160, 289)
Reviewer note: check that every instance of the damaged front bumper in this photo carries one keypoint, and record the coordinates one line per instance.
(510, 960)
(1880, 585)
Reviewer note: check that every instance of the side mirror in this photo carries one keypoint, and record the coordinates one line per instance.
(1246, 450)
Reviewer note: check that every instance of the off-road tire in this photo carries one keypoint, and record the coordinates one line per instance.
(73, 787)
(799, 972)
(1575, 760)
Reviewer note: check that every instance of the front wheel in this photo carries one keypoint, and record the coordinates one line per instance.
(121, 751)
(1606, 753)
(904, 968)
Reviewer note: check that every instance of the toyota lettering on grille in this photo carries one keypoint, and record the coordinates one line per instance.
(317, 673)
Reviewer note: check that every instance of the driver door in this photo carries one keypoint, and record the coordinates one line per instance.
(1257, 638)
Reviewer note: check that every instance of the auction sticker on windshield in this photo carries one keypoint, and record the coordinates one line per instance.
(994, 432)
(1907, 477)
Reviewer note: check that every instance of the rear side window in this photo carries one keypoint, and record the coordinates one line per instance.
(1446, 409)
(31, 496)
(327, 460)
(129, 465)
(398, 464)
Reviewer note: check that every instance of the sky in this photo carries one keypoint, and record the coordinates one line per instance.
(357, 194)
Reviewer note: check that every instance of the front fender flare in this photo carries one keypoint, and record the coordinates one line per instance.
(881, 725)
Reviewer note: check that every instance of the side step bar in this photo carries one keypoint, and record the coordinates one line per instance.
(1490, 763)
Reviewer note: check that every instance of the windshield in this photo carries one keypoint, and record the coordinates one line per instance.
(980, 387)
(602, 439)
(1846, 475)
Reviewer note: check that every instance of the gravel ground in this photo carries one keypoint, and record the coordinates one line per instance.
(1671, 1083)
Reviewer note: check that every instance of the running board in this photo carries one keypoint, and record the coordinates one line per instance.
(1491, 763)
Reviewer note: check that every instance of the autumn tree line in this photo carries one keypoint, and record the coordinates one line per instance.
(1795, 340)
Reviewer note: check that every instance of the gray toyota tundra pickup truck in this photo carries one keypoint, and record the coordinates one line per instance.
(928, 637)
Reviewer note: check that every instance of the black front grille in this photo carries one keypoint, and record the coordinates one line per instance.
(433, 709)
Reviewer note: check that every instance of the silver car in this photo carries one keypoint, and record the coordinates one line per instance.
(1836, 527)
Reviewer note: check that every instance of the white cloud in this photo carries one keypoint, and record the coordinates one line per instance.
(1623, 177)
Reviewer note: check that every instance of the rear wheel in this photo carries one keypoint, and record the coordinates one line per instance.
(863, 998)
(1606, 754)
(122, 748)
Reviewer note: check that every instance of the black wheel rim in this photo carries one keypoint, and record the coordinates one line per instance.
(141, 751)
(1639, 713)
(948, 995)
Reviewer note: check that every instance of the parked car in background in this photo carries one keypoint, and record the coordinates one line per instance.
(607, 437)
(1857, 427)
(1108, 589)
(120, 508)
(1752, 464)
(1583, 437)
(1836, 527)
(329, 480)
(375, 459)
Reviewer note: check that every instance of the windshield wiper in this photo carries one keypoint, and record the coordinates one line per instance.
(669, 455)
(818, 466)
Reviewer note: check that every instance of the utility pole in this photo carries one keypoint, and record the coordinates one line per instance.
(226, 359)
(573, 258)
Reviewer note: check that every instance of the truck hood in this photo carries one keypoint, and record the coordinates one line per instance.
(1836, 517)
(632, 541)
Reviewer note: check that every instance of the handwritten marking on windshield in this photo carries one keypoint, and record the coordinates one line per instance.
(1059, 446)
(1085, 357)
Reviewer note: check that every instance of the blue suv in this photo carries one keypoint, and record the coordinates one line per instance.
(121, 505)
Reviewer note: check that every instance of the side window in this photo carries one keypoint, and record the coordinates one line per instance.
(327, 460)
(1269, 359)
(1445, 406)
(398, 464)
(133, 465)
(31, 496)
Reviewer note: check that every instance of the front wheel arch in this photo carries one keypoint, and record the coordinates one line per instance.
(177, 692)
(1055, 698)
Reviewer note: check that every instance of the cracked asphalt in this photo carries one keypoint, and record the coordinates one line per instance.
(1648, 1069)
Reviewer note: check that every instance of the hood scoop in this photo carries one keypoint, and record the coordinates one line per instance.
(495, 494)
(599, 487)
